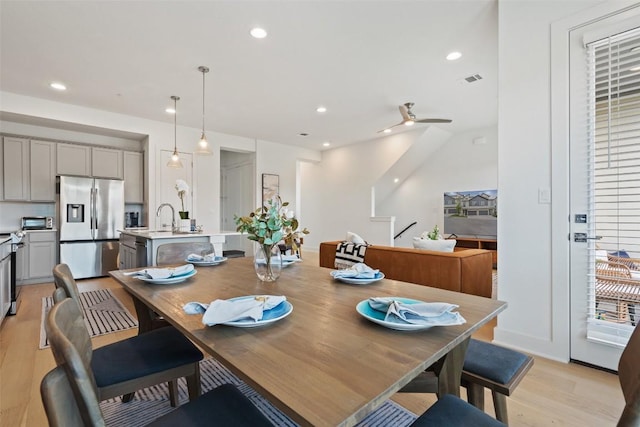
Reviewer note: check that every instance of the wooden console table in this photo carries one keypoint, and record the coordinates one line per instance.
(478, 243)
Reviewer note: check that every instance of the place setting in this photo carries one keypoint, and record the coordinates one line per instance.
(287, 260)
(205, 260)
(358, 274)
(248, 311)
(164, 276)
(405, 314)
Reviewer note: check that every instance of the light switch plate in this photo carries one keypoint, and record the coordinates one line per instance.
(544, 195)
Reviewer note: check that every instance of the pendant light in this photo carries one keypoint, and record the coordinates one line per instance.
(175, 159)
(203, 144)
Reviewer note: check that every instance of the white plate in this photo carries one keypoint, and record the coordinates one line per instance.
(377, 316)
(280, 311)
(285, 264)
(205, 263)
(356, 281)
(169, 280)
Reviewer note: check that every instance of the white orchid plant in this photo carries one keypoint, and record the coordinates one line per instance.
(182, 188)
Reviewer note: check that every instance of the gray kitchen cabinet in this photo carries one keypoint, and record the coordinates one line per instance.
(133, 177)
(72, 159)
(42, 171)
(128, 251)
(15, 163)
(41, 247)
(106, 163)
(1, 168)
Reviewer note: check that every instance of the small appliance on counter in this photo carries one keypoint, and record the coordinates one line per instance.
(132, 219)
(37, 223)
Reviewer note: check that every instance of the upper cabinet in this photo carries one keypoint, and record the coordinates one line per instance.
(133, 177)
(28, 170)
(83, 160)
(106, 163)
(72, 159)
(15, 163)
(42, 171)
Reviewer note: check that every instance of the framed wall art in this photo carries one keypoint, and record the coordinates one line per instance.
(270, 187)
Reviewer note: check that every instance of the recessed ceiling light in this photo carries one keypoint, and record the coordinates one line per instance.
(396, 180)
(170, 110)
(326, 144)
(258, 33)
(321, 109)
(409, 123)
(58, 86)
(387, 130)
(453, 56)
(634, 69)
(303, 134)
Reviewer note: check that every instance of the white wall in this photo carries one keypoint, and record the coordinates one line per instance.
(336, 192)
(459, 165)
(537, 317)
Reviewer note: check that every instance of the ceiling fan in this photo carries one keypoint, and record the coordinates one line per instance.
(409, 119)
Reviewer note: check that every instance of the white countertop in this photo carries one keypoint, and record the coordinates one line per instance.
(145, 233)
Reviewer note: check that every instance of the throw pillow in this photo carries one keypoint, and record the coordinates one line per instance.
(354, 238)
(444, 245)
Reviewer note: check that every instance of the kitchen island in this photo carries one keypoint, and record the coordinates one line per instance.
(139, 246)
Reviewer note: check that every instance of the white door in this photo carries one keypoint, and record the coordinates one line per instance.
(167, 192)
(597, 203)
(236, 197)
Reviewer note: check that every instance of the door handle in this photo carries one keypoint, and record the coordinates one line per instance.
(582, 237)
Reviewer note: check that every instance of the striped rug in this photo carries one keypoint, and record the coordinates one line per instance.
(152, 402)
(103, 313)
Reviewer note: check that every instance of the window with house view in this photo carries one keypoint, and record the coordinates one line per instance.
(614, 190)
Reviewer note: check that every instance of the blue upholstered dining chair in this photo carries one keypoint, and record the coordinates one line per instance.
(70, 396)
(161, 355)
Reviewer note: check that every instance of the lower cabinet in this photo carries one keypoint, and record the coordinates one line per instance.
(41, 255)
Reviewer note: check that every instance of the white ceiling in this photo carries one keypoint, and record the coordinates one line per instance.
(360, 59)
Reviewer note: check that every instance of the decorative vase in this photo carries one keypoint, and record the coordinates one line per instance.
(184, 214)
(267, 262)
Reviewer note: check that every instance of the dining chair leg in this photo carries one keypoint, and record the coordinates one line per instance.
(500, 406)
(173, 393)
(475, 395)
(193, 384)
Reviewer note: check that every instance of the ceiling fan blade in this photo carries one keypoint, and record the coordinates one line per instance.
(433, 121)
(389, 127)
(404, 111)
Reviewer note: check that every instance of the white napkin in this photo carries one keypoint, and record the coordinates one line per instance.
(163, 273)
(206, 258)
(223, 311)
(423, 313)
(359, 270)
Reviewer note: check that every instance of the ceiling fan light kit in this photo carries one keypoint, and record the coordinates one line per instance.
(175, 162)
(409, 119)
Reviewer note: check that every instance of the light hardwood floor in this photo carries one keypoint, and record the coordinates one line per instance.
(552, 393)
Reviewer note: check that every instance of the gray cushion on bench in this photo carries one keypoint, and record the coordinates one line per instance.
(493, 362)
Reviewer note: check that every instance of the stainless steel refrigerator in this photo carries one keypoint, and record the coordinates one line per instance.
(90, 212)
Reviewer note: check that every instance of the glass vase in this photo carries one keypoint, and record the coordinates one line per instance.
(267, 262)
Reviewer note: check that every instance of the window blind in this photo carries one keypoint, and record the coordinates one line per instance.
(613, 189)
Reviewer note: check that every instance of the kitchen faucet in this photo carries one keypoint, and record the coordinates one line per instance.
(173, 214)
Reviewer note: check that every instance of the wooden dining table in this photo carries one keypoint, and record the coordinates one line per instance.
(324, 364)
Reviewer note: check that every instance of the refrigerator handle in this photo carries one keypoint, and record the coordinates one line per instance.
(92, 209)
